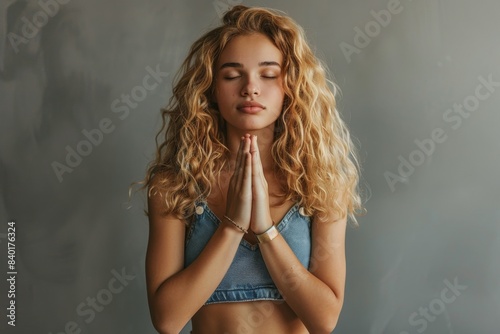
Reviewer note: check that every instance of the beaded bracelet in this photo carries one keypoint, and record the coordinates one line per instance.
(236, 225)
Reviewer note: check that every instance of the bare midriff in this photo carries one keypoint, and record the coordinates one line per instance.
(263, 316)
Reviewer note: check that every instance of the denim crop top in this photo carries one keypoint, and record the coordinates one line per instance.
(247, 278)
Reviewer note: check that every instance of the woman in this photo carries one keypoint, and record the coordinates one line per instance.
(251, 187)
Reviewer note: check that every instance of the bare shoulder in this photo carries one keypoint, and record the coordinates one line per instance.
(332, 228)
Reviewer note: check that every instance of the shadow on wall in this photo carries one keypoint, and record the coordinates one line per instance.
(51, 92)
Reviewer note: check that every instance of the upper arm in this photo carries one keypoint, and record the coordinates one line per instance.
(165, 251)
(328, 253)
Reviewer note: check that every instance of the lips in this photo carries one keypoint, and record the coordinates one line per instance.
(250, 107)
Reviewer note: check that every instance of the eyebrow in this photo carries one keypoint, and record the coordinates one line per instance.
(262, 63)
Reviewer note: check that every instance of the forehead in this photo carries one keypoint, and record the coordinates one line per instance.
(250, 50)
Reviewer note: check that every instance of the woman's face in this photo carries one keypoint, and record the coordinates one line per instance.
(249, 83)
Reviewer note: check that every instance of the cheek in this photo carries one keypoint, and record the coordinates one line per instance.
(277, 94)
(223, 92)
(279, 90)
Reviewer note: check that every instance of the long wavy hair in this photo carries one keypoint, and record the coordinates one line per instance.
(312, 149)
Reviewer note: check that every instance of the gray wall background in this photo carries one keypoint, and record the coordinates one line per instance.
(436, 226)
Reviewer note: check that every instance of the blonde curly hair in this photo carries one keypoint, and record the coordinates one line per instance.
(312, 148)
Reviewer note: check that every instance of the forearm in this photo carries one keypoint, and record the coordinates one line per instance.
(179, 297)
(311, 299)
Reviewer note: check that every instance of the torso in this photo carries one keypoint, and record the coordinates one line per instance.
(248, 317)
(263, 317)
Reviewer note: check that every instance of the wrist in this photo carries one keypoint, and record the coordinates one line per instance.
(230, 231)
(263, 227)
(235, 225)
(268, 235)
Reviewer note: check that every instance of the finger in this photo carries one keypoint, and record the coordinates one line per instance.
(232, 180)
(259, 177)
(241, 169)
(256, 162)
(237, 168)
(255, 165)
(247, 179)
(238, 156)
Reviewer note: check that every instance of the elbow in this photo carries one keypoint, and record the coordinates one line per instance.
(166, 326)
(164, 317)
(166, 323)
(330, 325)
(325, 327)
(328, 321)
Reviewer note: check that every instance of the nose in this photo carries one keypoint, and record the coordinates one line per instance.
(250, 88)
